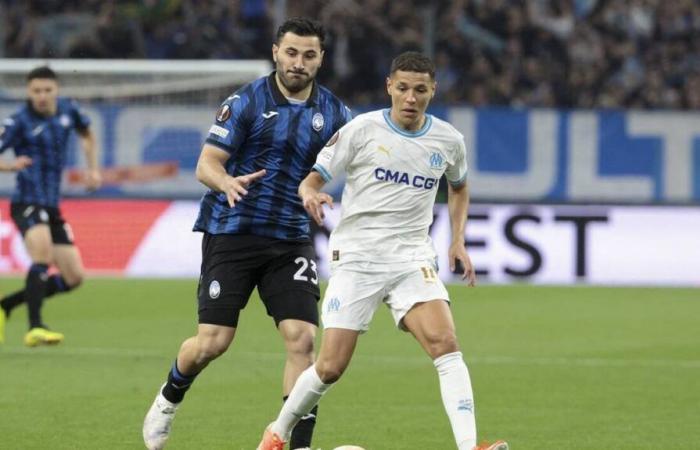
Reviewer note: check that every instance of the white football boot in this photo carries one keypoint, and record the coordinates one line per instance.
(159, 419)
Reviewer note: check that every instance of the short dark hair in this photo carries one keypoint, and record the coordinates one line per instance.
(301, 26)
(413, 62)
(43, 72)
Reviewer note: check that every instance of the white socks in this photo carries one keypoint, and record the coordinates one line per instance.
(455, 387)
(306, 393)
(457, 396)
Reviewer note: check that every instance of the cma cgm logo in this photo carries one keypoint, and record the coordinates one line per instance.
(398, 177)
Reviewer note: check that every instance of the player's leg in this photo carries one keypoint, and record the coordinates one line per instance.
(418, 302)
(38, 246)
(25, 217)
(69, 277)
(195, 354)
(337, 348)
(432, 325)
(228, 277)
(66, 257)
(225, 284)
(10, 302)
(350, 301)
(37, 240)
(289, 289)
(298, 339)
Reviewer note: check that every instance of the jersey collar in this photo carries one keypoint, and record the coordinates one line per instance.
(424, 129)
(279, 97)
(37, 114)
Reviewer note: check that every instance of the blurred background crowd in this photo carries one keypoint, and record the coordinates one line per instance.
(539, 53)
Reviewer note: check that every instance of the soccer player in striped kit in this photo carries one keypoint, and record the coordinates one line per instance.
(255, 230)
(39, 133)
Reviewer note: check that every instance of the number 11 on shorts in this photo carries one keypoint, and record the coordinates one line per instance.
(429, 274)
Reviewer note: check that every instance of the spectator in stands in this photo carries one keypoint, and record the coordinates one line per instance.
(569, 53)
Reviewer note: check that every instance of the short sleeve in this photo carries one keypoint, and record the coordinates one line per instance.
(10, 133)
(229, 130)
(456, 173)
(81, 120)
(338, 152)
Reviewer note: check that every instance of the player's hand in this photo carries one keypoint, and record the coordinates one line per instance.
(235, 187)
(20, 163)
(93, 180)
(457, 252)
(313, 204)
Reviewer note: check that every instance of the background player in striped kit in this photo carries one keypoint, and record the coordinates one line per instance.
(39, 133)
(256, 233)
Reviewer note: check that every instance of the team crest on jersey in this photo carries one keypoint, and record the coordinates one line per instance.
(64, 120)
(214, 289)
(224, 113)
(436, 160)
(333, 139)
(317, 121)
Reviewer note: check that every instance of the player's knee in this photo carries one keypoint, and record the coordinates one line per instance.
(210, 349)
(73, 280)
(441, 343)
(299, 340)
(329, 372)
(302, 347)
(42, 255)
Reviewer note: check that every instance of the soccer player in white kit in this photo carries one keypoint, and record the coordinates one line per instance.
(381, 252)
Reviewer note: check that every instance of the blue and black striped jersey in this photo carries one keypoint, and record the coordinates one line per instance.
(261, 129)
(45, 140)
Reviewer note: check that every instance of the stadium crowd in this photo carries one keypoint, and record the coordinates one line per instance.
(537, 53)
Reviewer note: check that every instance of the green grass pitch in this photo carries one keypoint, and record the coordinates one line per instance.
(552, 368)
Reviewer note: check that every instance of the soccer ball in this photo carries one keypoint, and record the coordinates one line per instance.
(348, 447)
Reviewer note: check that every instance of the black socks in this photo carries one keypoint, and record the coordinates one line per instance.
(55, 285)
(177, 385)
(35, 291)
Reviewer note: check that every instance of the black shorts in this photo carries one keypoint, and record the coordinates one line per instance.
(26, 215)
(233, 265)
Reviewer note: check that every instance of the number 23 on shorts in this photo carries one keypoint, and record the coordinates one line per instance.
(306, 266)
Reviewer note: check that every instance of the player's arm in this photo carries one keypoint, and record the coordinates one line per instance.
(16, 164)
(9, 137)
(211, 171)
(312, 197)
(331, 160)
(88, 142)
(458, 207)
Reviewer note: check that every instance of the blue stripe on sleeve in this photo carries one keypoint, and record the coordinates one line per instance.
(459, 182)
(324, 173)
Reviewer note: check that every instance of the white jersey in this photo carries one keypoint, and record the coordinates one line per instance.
(392, 178)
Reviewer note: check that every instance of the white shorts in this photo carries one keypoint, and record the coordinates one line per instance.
(352, 297)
